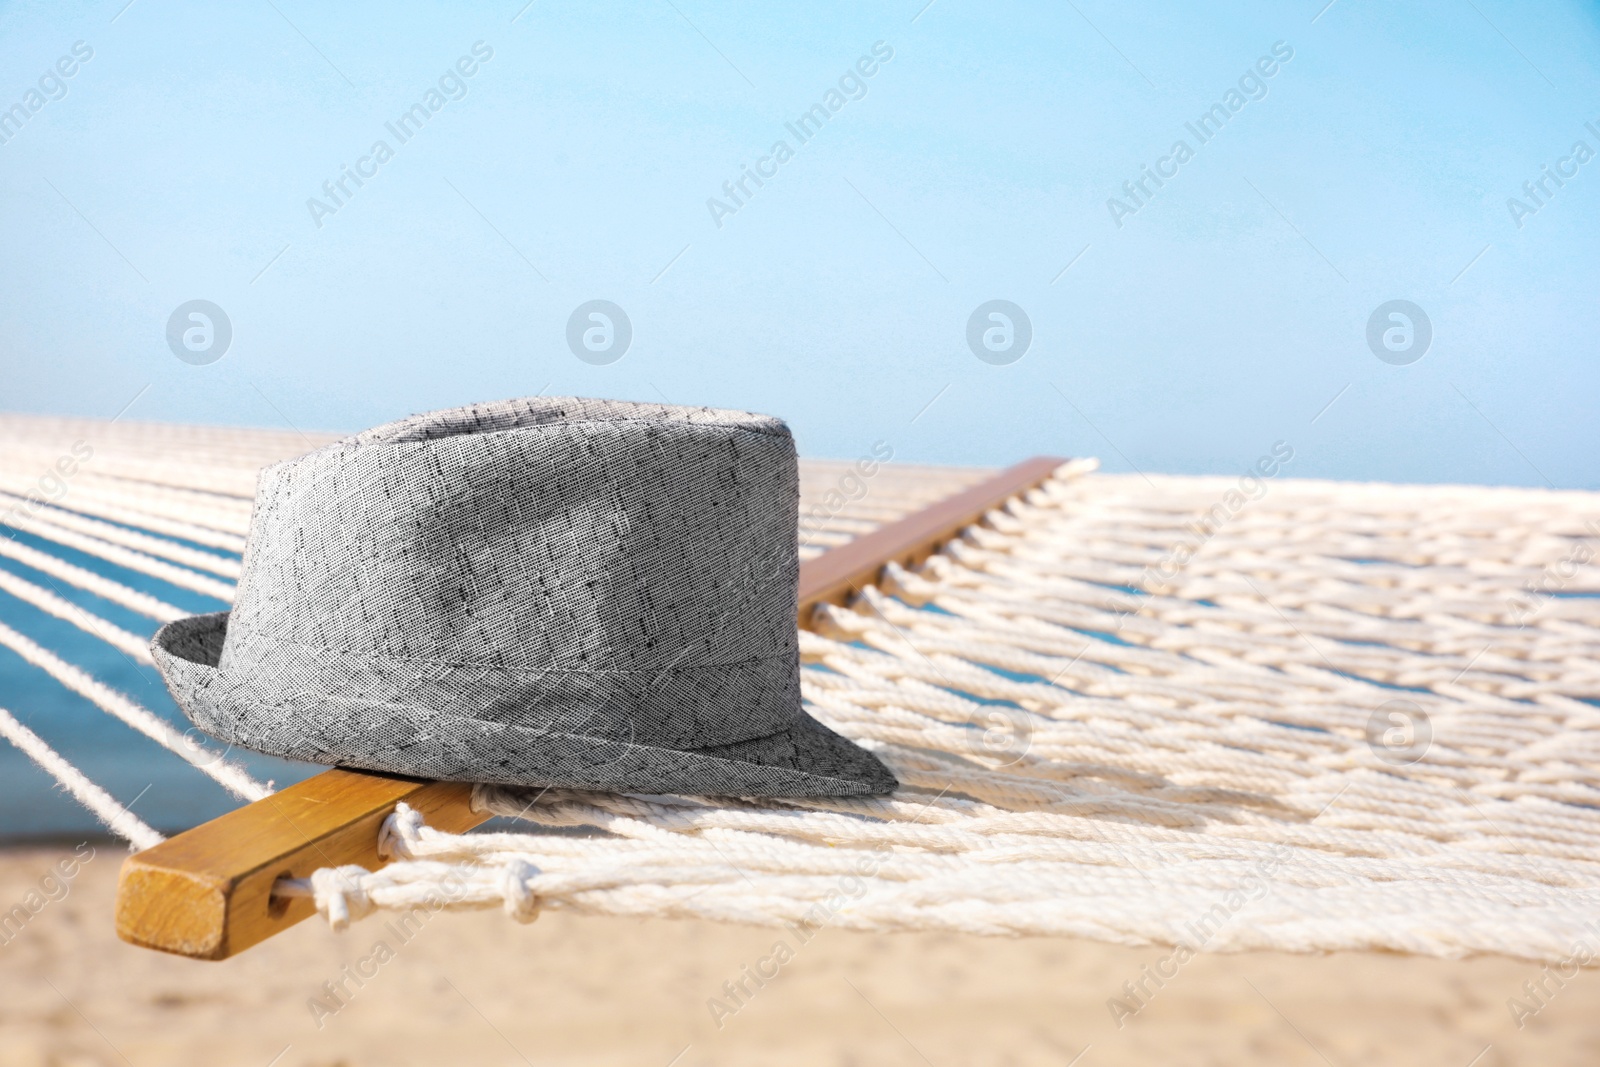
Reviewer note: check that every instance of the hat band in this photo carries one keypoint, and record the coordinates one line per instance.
(674, 707)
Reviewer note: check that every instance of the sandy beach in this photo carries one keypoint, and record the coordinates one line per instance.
(480, 989)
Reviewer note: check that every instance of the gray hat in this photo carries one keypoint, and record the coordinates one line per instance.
(584, 593)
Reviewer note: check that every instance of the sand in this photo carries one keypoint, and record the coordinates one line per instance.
(480, 989)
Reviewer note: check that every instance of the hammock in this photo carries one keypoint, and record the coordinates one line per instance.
(1217, 714)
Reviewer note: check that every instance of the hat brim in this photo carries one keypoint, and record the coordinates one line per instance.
(805, 759)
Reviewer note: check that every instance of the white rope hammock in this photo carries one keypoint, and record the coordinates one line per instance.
(1238, 761)
(1173, 711)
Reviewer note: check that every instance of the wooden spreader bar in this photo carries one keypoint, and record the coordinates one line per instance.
(207, 893)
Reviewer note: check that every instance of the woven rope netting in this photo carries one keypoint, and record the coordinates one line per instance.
(1215, 713)
(1148, 711)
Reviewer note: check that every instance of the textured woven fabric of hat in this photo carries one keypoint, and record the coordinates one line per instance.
(548, 591)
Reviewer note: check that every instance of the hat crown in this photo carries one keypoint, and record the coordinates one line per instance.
(626, 566)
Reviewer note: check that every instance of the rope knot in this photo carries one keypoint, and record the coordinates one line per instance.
(838, 623)
(906, 585)
(399, 832)
(341, 895)
(522, 904)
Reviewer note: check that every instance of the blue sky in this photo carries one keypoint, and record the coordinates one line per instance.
(1227, 312)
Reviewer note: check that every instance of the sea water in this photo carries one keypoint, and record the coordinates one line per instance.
(161, 788)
